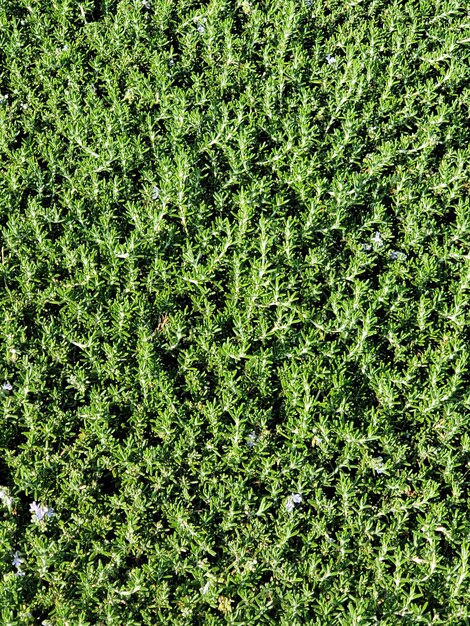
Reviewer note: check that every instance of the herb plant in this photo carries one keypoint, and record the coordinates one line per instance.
(234, 301)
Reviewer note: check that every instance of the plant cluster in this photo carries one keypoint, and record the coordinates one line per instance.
(234, 299)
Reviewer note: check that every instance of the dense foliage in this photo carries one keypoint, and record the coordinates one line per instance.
(234, 302)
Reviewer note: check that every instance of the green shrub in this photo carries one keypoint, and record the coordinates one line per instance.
(234, 312)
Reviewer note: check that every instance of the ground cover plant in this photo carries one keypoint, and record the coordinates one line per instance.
(234, 312)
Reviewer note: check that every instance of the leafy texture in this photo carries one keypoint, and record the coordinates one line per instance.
(234, 302)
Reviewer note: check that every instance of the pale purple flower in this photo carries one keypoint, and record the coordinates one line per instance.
(397, 255)
(292, 500)
(17, 561)
(330, 59)
(155, 193)
(379, 466)
(200, 29)
(7, 386)
(39, 511)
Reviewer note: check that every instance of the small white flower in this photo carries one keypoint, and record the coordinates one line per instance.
(366, 246)
(251, 439)
(205, 589)
(200, 26)
(330, 59)
(155, 192)
(7, 386)
(7, 501)
(377, 239)
(292, 500)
